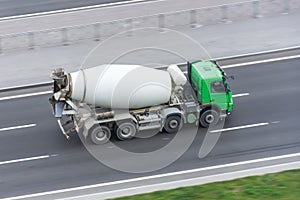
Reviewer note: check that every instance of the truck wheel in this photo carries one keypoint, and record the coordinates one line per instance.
(125, 130)
(209, 118)
(173, 124)
(100, 134)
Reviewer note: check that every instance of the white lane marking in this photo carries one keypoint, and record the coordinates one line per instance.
(240, 127)
(191, 181)
(258, 53)
(25, 95)
(153, 177)
(275, 122)
(260, 61)
(240, 95)
(25, 159)
(17, 127)
(70, 10)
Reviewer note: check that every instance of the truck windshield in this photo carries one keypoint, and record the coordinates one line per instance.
(218, 87)
(226, 85)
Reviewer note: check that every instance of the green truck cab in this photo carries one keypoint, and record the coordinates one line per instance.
(209, 83)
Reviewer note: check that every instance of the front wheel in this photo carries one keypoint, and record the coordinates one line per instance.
(100, 134)
(209, 118)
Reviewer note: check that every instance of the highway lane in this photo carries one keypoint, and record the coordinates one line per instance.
(274, 90)
(21, 7)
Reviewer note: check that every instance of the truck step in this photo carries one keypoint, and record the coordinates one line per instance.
(150, 121)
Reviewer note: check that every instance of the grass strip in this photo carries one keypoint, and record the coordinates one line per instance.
(283, 185)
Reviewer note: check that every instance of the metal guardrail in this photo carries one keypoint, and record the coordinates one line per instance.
(282, 50)
(191, 18)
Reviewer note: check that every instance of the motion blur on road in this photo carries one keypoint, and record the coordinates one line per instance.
(255, 42)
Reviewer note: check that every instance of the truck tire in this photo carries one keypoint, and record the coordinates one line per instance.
(173, 124)
(125, 130)
(100, 134)
(209, 118)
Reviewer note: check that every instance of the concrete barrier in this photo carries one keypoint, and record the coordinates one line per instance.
(192, 18)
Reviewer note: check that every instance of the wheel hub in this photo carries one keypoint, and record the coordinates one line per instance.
(100, 135)
(173, 124)
(210, 118)
(127, 131)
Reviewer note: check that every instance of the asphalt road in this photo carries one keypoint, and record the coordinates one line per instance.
(21, 7)
(274, 90)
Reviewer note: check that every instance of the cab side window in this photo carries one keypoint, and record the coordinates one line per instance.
(217, 87)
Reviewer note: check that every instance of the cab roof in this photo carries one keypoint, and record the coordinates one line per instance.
(207, 70)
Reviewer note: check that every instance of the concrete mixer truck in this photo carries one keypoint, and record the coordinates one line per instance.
(122, 100)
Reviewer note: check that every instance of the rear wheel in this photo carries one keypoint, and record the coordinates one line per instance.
(100, 134)
(173, 124)
(209, 118)
(125, 130)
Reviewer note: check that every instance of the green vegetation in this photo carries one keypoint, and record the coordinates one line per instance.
(284, 185)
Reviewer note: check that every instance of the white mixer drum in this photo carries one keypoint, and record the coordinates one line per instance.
(121, 86)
